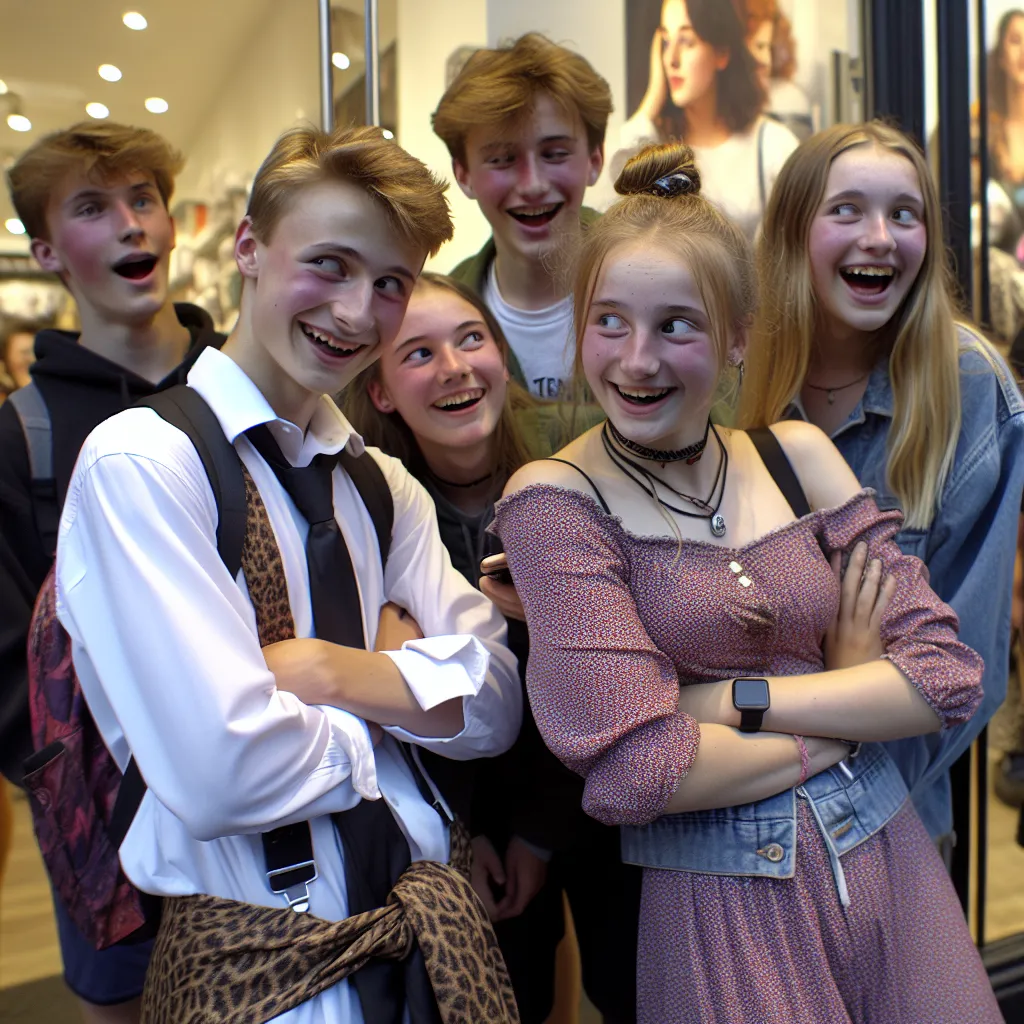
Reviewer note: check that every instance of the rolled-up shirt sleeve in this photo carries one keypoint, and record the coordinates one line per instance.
(465, 652)
(165, 647)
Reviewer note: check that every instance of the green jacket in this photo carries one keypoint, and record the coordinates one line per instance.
(472, 272)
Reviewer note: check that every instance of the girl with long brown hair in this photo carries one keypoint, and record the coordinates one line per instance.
(680, 581)
(440, 399)
(857, 334)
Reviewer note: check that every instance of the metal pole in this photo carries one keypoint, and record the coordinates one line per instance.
(985, 313)
(372, 63)
(326, 68)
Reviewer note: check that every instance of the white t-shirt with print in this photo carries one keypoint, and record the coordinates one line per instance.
(542, 339)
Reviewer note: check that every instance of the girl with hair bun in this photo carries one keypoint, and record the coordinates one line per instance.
(708, 610)
(857, 334)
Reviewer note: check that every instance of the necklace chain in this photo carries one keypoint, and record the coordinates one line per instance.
(452, 483)
(647, 481)
(839, 387)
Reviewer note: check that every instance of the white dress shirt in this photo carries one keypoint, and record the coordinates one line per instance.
(166, 649)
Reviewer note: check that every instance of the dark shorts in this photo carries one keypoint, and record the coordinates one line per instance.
(105, 976)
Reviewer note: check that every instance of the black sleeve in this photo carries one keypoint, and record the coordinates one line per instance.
(526, 791)
(23, 567)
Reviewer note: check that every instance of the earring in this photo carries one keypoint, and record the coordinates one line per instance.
(740, 369)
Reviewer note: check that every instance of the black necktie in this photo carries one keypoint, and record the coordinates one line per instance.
(376, 850)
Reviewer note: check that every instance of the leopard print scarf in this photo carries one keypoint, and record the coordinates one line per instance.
(221, 962)
(218, 961)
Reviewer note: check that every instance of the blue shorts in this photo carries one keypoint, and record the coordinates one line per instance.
(103, 977)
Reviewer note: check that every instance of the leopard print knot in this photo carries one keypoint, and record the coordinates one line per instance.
(219, 961)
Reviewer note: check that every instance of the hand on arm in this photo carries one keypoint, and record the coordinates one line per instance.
(365, 683)
(855, 638)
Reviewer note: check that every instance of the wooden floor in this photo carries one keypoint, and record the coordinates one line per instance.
(28, 937)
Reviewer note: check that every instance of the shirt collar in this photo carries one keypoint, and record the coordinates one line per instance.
(239, 405)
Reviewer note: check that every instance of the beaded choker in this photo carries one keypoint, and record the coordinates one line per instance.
(691, 453)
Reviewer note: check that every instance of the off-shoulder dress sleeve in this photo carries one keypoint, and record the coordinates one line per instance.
(604, 697)
(918, 630)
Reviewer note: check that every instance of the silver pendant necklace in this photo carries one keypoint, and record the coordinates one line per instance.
(646, 480)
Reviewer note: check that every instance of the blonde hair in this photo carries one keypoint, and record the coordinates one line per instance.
(102, 151)
(693, 229)
(390, 433)
(924, 359)
(498, 87)
(410, 196)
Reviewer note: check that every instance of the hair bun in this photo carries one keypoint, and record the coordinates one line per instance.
(665, 170)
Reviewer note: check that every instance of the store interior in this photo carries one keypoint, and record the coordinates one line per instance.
(221, 81)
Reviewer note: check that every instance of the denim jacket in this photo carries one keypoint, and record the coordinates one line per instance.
(850, 802)
(969, 547)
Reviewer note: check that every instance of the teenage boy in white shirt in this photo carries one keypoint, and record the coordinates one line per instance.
(525, 126)
(165, 641)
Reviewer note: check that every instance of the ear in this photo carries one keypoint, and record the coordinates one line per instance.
(247, 250)
(174, 234)
(46, 256)
(596, 164)
(379, 396)
(461, 173)
(738, 344)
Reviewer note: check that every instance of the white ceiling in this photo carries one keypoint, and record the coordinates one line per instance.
(50, 51)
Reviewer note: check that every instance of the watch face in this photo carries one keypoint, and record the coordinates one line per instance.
(750, 694)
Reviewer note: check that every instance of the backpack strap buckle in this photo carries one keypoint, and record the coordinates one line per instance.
(293, 883)
(291, 869)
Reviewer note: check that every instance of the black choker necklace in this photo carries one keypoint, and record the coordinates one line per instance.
(691, 453)
(452, 483)
(647, 481)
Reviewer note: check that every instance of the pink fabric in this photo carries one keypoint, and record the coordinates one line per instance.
(617, 623)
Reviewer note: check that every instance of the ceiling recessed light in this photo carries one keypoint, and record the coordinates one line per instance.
(341, 61)
(387, 133)
(155, 105)
(97, 110)
(19, 122)
(109, 73)
(14, 226)
(135, 21)
(3, 87)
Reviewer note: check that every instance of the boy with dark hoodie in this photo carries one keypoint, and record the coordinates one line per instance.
(525, 126)
(95, 201)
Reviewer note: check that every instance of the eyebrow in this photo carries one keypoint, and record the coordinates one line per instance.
(100, 193)
(853, 193)
(355, 254)
(505, 145)
(424, 337)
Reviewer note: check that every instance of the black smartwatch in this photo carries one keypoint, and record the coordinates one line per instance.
(750, 698)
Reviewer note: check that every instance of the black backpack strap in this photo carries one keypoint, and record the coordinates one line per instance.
(376, 494)
(30, 406)
(183, 407)
(781, 469)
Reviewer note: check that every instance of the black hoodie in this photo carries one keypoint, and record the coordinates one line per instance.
(81, 389)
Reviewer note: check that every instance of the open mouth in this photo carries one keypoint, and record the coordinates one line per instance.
(137, 267)
(460, 400)
(866, 280)
(536, 216)
(642, 396)
(328, 343)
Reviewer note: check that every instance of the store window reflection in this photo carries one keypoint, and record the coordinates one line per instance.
(1002, 135)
